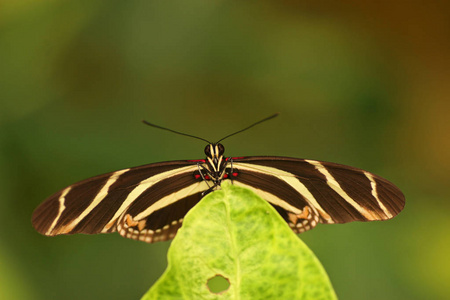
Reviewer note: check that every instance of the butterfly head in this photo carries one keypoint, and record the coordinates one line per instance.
(214, 151)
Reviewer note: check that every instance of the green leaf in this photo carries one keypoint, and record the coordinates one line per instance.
(239, 236)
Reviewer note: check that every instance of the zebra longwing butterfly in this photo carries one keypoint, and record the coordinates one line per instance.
(148, 203)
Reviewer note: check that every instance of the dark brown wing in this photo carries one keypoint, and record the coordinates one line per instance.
(116, 202)
(332, 192)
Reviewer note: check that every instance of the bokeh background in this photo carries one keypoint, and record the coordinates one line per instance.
(363, 83)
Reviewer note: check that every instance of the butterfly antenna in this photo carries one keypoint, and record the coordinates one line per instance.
(263, 120)
(177, 132)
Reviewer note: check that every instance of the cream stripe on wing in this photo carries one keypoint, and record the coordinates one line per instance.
(373, 185)
(331, 181)
(290, 179)
(172, 198)
(61, 200)
(142, 187)
(98, 198)
(269, 197)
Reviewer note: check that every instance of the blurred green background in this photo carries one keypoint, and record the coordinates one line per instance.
(363, 83)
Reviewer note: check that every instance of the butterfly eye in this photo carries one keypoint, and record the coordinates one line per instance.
(208, 150)
(221, 149)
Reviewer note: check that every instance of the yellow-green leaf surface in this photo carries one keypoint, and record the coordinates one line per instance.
(236, 234)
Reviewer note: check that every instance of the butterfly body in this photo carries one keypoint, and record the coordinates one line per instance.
(148, 203)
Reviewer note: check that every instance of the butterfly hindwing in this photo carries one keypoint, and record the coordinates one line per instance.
(158, 213)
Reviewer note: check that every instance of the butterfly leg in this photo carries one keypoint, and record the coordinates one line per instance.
(202, 170)
(230, 160)
(227, 171)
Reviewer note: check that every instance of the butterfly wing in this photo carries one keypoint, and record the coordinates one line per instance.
(123, 201)
(148, 203)
(306, 192)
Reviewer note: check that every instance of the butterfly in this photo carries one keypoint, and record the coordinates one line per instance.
(148, 203)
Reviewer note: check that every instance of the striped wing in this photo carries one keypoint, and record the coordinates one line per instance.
(306, 192)
(148, 203)
(123, 201)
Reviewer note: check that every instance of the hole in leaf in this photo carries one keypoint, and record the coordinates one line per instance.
(218, 284)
